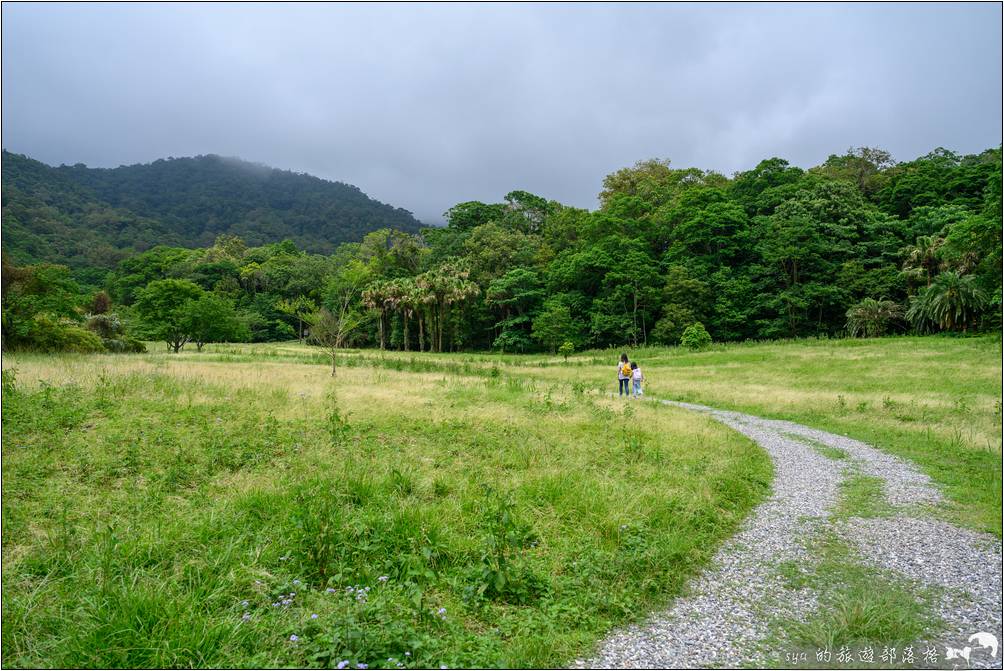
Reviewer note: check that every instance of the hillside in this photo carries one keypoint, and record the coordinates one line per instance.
(93, 217)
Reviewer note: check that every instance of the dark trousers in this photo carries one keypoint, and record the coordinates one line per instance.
(624, 386)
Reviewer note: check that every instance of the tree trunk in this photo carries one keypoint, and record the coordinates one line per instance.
(382, 342)
(333, 370)
(421, 332)
(404, 316)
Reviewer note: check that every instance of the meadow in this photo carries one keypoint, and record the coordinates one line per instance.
(241, 507)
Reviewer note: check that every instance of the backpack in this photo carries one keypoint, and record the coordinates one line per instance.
(626, 370)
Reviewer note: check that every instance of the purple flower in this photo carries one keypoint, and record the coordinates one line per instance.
(296, 582)
(275, 605)
(313, 616)
(360, 665)
(330, 590)
(383, 578)
(294, 638)
(342, 664)
(244, 604)
(246, 617)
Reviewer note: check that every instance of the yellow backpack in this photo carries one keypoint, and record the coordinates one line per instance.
(626, 370)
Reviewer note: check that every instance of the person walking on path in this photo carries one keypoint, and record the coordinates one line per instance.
(637, 378)
(623, 376)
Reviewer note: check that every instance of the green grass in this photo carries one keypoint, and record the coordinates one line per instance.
(860, 607)
(936, 401)
(862, 496)
(146, 497)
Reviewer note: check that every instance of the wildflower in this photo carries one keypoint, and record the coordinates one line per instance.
(257, 582)
(313, 616)
(246, 617)
(360, 665)
(294, 638)
(342, 664)
(350, 590)
(286, 602)
(407, 654)
(296, 582)
(292, 594)
(383, 578)
(244, 604)
(275, 605)
(441, 613)
(330, 590)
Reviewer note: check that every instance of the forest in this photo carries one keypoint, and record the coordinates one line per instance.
(860, 245)
(90, 219)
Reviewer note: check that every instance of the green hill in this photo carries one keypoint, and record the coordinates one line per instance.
(94, 217)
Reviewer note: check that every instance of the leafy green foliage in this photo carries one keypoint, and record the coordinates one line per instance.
(773, 252)
(695, 336)
(871, 318)
(93, 218)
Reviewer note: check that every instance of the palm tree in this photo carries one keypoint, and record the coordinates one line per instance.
(374, 297)
(952, 301)
(924, 258)
(871, 318)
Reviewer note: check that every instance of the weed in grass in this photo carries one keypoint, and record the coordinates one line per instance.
(862, 496)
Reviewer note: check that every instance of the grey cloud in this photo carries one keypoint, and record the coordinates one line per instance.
(423, 106)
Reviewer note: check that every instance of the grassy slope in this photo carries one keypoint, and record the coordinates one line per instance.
(146, 497)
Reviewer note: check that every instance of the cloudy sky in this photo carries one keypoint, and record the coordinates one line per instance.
(423, 106)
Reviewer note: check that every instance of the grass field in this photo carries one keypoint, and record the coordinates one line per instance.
(501, 510)
(147, 498)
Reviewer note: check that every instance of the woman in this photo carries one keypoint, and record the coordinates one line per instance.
(624, 376)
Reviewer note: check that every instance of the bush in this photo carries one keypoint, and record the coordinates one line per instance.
(47, 334)
(695, 336)
(567, 349)
(871, 318)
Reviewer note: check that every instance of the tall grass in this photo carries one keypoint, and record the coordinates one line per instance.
(424, 515)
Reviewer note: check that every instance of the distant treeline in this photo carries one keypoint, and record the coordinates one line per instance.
(859, 245)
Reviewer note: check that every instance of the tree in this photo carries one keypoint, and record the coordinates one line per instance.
(334, 323)
(872, 319)
(566, 349)
(299, 308)
(553, 325)
(163, 308)
(951, 302)
(212, 318)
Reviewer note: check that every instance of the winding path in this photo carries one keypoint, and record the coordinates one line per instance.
(724, 617)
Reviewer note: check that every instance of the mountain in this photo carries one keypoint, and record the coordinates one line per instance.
(94, 217)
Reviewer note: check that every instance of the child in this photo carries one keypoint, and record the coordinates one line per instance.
(637, 378)
(623, 376)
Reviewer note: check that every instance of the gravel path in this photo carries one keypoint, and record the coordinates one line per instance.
(723, 619)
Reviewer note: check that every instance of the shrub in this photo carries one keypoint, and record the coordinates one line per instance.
(46, 334)
(871, 318)
(695, 336)
(567, 349)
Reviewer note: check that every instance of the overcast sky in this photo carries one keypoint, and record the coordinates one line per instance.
(424, 106)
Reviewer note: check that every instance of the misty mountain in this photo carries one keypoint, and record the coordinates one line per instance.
(94, 217)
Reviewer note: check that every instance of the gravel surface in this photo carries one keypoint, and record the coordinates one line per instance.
(723, 619)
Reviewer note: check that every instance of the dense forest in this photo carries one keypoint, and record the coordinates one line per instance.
(860, 245)
(90, 219)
